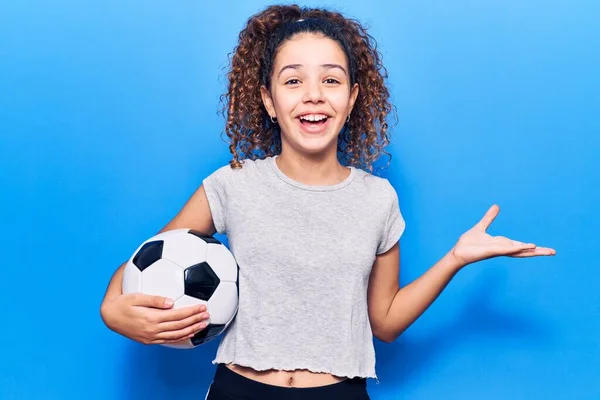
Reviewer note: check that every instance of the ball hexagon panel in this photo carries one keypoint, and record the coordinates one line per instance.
(187, 301)
(132, 279)
(223, 303)
(163, 278)
(200, 281)
(187, 250)
(148, 254)
(222, 262)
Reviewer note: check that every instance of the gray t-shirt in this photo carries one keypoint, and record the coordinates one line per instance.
(305, 253)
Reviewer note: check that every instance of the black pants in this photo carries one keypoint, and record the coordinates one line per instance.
(229, 385)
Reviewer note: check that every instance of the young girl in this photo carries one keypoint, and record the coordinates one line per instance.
(314, 232)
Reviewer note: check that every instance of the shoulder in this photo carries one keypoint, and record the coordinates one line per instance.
(378, 187)
(247, 170)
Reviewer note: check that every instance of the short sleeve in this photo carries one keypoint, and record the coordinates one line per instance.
(393, 226)
(216, 186)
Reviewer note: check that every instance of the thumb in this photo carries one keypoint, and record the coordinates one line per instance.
(146, 300)
(488, 218)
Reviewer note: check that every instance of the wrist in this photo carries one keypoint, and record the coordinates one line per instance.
(456, 263)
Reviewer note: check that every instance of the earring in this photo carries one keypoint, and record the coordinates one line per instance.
(274, 120)
(348, 119)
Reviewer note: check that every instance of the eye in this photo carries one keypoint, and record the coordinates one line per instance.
(292, 81)
(332, 81)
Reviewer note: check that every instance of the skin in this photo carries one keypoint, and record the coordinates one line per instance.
(311, 159)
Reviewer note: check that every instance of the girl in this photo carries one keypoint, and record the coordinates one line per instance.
(306, 119)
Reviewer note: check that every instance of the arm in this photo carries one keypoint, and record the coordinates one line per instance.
(131, 316)
(391, 309)
(114, 285)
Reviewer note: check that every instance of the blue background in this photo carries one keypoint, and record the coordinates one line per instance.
(108, 123)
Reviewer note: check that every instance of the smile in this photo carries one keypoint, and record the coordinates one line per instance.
(313, 123)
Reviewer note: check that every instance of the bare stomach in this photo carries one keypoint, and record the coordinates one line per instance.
(299, 378)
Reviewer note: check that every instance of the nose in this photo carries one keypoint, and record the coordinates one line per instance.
(313, 93)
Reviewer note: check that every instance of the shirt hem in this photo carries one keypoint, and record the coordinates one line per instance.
(264, 367)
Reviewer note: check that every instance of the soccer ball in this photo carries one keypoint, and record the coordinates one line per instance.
(190, 268)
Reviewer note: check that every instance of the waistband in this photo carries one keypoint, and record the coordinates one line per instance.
(238, 385)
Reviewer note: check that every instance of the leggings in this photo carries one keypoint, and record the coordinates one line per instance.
(229, 385)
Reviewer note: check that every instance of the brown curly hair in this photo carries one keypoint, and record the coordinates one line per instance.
(248, 126)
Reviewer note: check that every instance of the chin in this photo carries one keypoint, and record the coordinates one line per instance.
(312, 144)
(316, 148)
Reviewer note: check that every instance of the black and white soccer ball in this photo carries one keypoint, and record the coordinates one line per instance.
(190, 268)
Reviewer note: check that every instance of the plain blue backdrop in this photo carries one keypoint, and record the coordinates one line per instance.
(108, 123)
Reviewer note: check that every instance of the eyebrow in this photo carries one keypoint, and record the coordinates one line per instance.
(298, 66)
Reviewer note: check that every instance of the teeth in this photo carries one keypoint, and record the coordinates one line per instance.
(313, 117)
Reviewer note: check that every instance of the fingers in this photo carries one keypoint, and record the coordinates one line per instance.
(515, 248)
(510, 244)
(179, 314)
(146, 300)
(184, 323)
(546, 251)
(538, 251)
(489, 217)
(165, 326)
(181, 334)
(522, 246)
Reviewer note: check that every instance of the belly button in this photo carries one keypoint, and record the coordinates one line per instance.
(291, 381)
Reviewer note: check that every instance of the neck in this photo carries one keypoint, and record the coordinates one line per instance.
(318, 170)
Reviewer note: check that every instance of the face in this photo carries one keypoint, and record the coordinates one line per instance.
(310, 93)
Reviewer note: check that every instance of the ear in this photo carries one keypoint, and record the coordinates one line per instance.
(267, 101)
(353, 96)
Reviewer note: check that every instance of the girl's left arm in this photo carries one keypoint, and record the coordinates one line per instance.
(392, 310)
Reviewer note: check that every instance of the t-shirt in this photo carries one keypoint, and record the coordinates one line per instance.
(304, 253)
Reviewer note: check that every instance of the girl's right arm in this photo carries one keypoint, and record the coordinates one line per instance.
(151, 319)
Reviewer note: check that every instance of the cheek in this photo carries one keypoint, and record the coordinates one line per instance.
(339, 100)
(286, 102)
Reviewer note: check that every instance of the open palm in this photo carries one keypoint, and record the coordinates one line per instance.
(476, 245)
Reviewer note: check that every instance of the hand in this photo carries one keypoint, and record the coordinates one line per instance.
(476, 245)
(151, 319)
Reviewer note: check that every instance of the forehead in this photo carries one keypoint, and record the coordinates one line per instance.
(310, 49)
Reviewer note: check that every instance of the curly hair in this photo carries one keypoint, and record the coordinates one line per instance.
(251, 132)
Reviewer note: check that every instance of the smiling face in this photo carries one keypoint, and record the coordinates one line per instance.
(310, 93)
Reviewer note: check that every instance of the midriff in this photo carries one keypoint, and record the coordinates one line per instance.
(298, 378)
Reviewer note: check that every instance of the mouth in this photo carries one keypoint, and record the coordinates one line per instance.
(313, 123)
